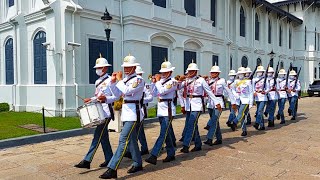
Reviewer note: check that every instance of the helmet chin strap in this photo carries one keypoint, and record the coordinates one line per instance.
(191, 75)
(130, 71)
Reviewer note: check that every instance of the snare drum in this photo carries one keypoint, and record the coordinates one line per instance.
(91, 114)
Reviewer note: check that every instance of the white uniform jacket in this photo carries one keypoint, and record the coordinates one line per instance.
(108, 89)
(272, 93)
(219, 87)
(193, 89)
(165, 89)
(281, 84)
(257, 84)
(132, 87)
(291, 84)
(243, 89)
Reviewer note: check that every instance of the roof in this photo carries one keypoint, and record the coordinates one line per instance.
(288, 2)
(279, 11)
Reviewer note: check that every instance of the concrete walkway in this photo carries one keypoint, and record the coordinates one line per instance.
(290, 151)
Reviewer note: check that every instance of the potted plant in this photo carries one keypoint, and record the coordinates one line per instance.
(116, 124)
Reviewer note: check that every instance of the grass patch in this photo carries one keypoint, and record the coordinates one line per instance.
(10, 122)
(152, 112)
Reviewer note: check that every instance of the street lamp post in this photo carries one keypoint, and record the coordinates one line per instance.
(271, 54)
(107, 20)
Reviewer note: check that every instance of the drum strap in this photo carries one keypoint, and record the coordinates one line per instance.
(102, 81)
(111, 111)
(125, 82)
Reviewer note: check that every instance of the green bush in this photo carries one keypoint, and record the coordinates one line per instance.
(4, 107)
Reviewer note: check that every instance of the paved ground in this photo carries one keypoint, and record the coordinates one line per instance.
(290, 151)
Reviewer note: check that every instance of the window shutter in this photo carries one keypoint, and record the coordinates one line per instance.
(188, 57)
(158, 54)
(95, 48)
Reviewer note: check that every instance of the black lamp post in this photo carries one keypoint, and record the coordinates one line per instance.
(107, 19)
(271, 54)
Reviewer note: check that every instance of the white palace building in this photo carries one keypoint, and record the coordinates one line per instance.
(48, 47)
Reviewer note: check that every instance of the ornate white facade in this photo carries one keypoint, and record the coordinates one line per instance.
(137, 26)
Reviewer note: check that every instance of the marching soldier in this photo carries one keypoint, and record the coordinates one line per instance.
(146, 98)
(194, 88)
(260, 97)
(294, 87)
(232, 78)
(281, 84)
(247, 76)
(243, 88)
(218, 87)
(165, 91)
(104, 95)
(272, 96)
(132, 88)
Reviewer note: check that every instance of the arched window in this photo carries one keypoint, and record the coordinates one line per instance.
(244, 61)
(257, 28)
(259, 62)
(281, 65)
(242, 22)
(9, 61)
(280, 36)
(40, 58)
(269, 32)
(230, 62)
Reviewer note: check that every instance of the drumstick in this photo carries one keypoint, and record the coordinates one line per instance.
(80, 97)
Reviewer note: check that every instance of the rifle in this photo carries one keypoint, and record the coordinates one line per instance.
(265, 77)
(287, 78)
(295, 83)
(254, 71)
(276, 74)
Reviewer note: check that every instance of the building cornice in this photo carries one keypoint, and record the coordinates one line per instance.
(5, 26)
(34, 17)
(167, 27)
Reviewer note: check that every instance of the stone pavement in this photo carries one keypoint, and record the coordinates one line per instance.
(290, 151)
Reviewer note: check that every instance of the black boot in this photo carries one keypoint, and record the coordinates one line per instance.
(105, 164)
(144, 152)
(169, 159)
(181, 140)
(228, 123)
(262, 128)
(207, 128)
(128, 155)
(248, 123)
(293, 118)
(233, 126)
(134, 169)
(217, 142)
(265, 114)
(174, 144)
(196, 149)
(269, 124)
(109, 174)
(185, 149)
(289, 112)
(272, 124)
(244, 133)
(256, 126)
(282, 122)
(83, 164)
(208, 142)
(278, 116)
(152, 160)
